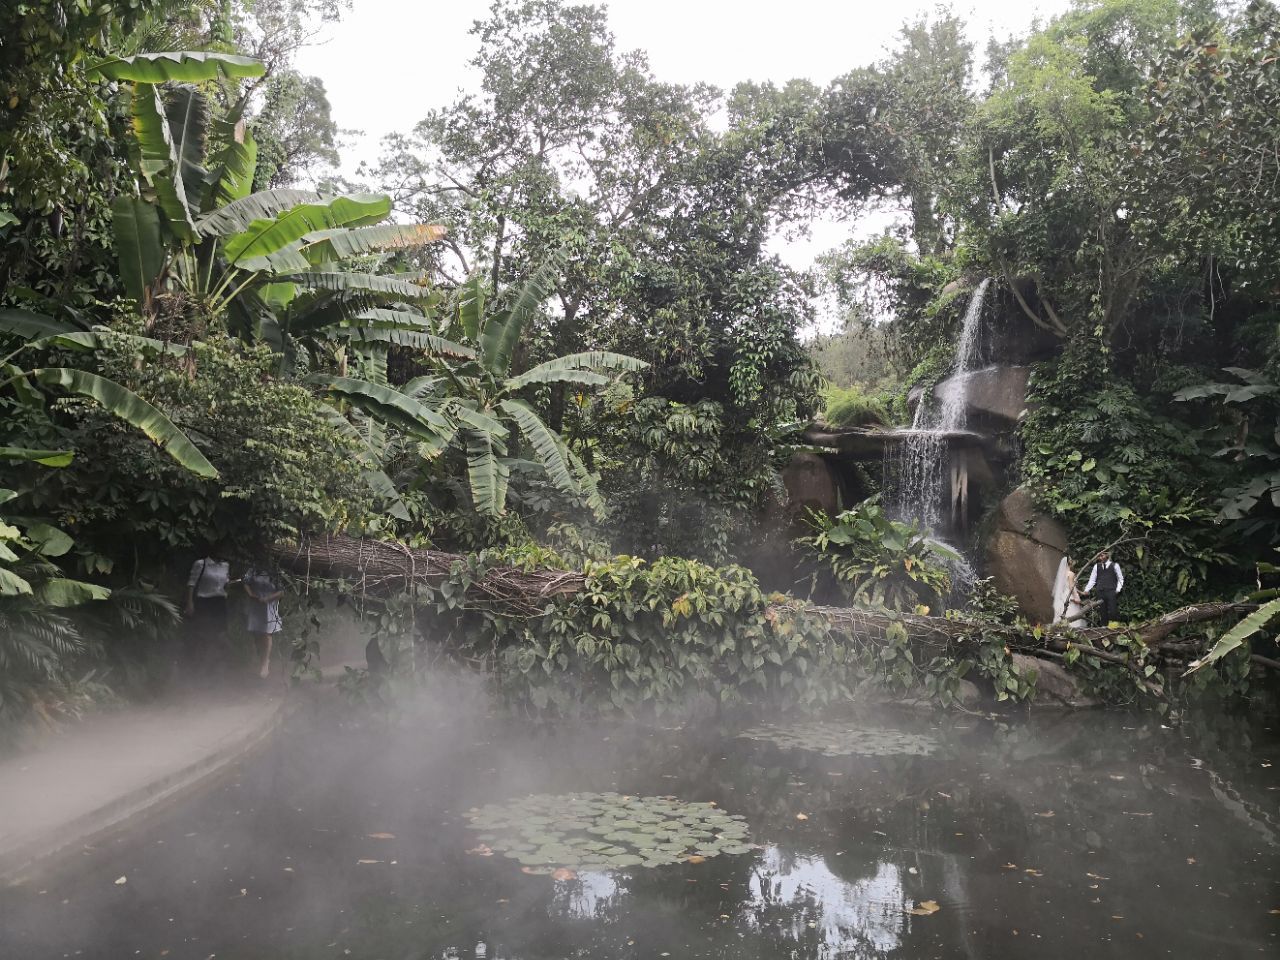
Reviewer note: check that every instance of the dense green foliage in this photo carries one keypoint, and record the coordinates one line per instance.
(573, 344)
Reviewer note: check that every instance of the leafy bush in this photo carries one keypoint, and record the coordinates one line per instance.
(879, 561)
(1111, 468)
(851, 407)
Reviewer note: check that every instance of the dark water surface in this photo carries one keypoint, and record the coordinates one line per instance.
(1086, 835)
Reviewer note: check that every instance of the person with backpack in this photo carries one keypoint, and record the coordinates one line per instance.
(1108, 579)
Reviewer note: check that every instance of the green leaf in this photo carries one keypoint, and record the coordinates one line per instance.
(264, 237)
(549, 448)
(132, 409)
(326, 246)
(49, 541)
(385, 403)
(32, 326)
(12, 585)
(46, 458)
(136, 225)
(232, 164)
(1238, 634)
(59, 592)
(187, 111)
(240, 214)
(501, 333)
(576, 368)
(487, 474)
(360, 282)
(184, 66)
(159, 162)
(471, 305)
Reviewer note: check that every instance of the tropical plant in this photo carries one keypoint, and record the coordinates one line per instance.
(474, 404)
(39, 333)
(195, 231)
(880, 561)
(852, 407)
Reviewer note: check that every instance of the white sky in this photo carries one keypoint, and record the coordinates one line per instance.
(390, 61)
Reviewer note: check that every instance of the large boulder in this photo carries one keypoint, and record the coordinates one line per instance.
(810, 484)
(994, 395)
(1056, 686)
(1014, 338)
(1023, 552)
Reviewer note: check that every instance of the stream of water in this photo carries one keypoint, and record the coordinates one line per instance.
(1100, 835)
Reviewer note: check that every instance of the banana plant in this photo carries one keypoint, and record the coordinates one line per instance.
(36, 332)
(272, 260)
(475, 404)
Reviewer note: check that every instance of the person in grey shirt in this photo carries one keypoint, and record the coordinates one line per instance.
(1108, 579)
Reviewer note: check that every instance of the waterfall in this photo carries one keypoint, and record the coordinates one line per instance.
(919, 477)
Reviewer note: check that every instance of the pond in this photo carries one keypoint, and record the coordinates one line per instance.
(1092, 834)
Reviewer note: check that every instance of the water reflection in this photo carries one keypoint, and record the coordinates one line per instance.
(863, 918)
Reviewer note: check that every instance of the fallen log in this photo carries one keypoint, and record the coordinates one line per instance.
(381, 568)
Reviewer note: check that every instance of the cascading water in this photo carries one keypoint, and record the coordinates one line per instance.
(920, 475)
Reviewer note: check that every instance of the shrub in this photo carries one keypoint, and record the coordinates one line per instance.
(851, 407)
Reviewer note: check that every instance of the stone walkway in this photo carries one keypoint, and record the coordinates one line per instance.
(109, 768)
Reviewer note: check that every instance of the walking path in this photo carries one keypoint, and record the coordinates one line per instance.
(97, 775)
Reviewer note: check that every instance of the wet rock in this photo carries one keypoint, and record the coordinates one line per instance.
(1023, 553)
(995, 395)
(1014, 337)
(1055, 685)
(810, 484)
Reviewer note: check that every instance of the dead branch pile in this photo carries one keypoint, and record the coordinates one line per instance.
(381, 568)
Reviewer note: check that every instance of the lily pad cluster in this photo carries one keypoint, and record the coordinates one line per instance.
(835, 739)
(605, 831)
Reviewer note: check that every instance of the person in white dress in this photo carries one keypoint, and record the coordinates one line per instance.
(1067, 606)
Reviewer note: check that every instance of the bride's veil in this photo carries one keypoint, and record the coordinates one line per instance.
(1061, 591)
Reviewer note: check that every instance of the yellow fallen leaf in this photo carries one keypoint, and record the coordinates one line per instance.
(1046, 814)
(925, 908)
(481, 851)
(802, 816)
(121, 880)
(368, 861)
(381, 836)
(695, 859)
(563, 873)
(1034, 873)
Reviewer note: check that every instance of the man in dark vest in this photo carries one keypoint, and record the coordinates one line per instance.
(1108, 579)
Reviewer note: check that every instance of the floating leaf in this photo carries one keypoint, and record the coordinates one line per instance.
(843, 739)
(925, 908)
(604, 831)
(381, 836)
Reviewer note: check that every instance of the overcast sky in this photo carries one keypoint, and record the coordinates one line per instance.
(389, 61)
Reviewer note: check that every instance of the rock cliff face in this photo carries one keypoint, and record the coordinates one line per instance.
(995, 397)
(1023, 553)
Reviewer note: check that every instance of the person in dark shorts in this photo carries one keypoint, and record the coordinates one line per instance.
(206, 607)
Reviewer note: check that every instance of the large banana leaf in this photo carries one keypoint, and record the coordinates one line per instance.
(187, 110)
(159, 162)
(501, 333)
(379, 318)
(374, 476)
(327, 246)
(548, 446)
(238, 215)
(1238, 634)
(386, 403)
(32, 326)
(576, 368)
(184, 66)
(46, 458)
(132, 409)
(365, 282)
(264, 237)
(471, 305)
(136, 225)
(233, 159)
(487, 475)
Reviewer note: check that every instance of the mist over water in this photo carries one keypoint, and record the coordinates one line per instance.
(348, 836)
